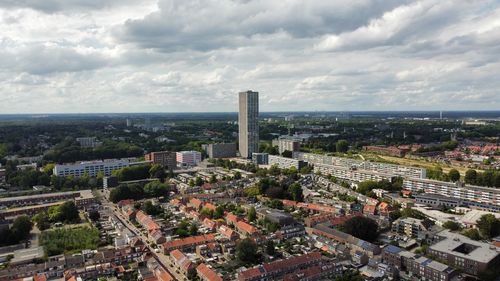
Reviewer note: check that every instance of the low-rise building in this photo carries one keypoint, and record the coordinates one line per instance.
(207, 274)
(187, 244)
(473, 257)
(410, 227)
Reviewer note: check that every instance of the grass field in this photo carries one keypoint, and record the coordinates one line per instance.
(69, 240)
(422, 164)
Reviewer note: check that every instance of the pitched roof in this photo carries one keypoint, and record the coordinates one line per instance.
(246, 227)
(207, 273)
(226, 231)
(189, 241)
(162, 275)
(180, 259)
(276, 266)
(210, 206)
(196, 202)
(232, 218)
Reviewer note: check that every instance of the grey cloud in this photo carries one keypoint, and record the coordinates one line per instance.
(40, 59)
(52, 6)
(207, 25)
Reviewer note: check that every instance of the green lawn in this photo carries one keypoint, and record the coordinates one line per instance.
(69, 240)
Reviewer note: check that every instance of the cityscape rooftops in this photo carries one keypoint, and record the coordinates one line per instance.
(464, 247)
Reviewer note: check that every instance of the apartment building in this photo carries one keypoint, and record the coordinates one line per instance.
(418, 265)
(384, 168)
(91, 142)
(221, 150)
(410, 227)
(436, 200)
(350, 173)
(287, 144)
(285, 163)
(188, 158)
(478, 194)
(167, 159)
(90, 168)
(472, 257)
(260, 158)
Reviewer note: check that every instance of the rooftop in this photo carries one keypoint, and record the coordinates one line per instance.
(464, 247)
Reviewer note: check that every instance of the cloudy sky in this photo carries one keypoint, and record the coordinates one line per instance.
(182, 55)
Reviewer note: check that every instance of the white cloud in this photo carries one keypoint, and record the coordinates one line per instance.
(195, 55)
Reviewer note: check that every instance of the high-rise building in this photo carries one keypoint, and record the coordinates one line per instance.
(220, 150)
(248, 123)
(167, 159)
(188, 158)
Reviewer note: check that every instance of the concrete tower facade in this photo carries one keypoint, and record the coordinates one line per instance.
(248, 122)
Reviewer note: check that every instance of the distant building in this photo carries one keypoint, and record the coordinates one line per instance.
(221, 150)
(188, 158)
(129, 122)
(248, 123)
(167, 159)
(288, 144)
(388, 150)
(260, 158)
(90, 168)
(89, 142)
(286, 163)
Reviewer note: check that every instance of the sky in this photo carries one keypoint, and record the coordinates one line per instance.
(85, 56)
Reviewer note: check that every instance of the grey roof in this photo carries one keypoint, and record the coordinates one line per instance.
(483, 252)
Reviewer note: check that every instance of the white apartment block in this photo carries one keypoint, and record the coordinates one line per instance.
(188, 158)
(350, 174)
(91, 168)
(285, 144)
(285, 163)
(89, 142)
(396, 170)
(472, 193)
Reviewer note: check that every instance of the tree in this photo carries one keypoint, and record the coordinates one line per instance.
(246, 251)
(126, 191)
(361, 227)
(21, 227)
(295, 191)
(452, 225)
(251, 214)
(198, 181)
(156, 189)
(152, 210)
(193, 229)
(454, 175)
(470, 176)
(219, 212)
(94, 215)
(287, 154)
(342, 146)
(69, 212)
(213, 179)
(472, 233)
(237, 175)
(270, 249)
(488, 225)
(41, 220)
(157, 171)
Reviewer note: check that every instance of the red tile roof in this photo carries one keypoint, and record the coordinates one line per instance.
(370, 209)
(232, 218)
(226, 231)
(195, 202)
(163, 275)
(277, 266)
(210, 206)
(246, 227)
(181, 260)
(207, 273)
(40, 277)
(193, 240)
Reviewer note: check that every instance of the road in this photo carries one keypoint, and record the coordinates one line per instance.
(162, 259)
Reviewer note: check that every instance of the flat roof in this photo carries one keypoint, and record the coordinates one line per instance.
(482, 253)
(6, 199)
